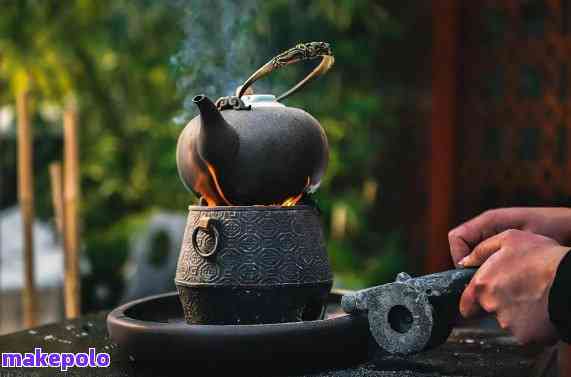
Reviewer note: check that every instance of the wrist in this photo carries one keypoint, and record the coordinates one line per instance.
(561, 221)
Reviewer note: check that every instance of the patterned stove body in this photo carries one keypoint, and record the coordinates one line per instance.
(253, 264)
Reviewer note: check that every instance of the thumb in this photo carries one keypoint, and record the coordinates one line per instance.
(483, 251)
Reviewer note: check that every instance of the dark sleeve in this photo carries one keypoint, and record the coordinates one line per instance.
(560, 299)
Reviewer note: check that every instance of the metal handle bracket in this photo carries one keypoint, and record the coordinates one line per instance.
(207, 225)
(302, 51)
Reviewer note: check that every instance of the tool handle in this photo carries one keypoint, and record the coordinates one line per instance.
(411, 314)
(451, 282)
(441, 284)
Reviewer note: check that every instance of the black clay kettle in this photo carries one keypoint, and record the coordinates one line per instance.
(251, 149)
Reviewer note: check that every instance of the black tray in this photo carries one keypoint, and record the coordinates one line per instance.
(153, 329)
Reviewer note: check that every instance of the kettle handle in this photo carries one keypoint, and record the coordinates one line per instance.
(302, 51)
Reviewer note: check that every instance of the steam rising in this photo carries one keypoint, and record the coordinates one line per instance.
(219, 50)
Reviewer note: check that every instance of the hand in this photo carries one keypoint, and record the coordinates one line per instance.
(550, 222)
(516, 274)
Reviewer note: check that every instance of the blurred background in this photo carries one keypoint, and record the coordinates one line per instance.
(434, 110)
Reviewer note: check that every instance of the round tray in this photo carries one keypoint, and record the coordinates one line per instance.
(153, 328)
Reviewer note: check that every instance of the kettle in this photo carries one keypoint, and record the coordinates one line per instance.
(250, 149)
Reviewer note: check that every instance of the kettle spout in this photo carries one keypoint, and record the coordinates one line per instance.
(218, 142)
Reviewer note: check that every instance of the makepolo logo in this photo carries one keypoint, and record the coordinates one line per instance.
(64, 361)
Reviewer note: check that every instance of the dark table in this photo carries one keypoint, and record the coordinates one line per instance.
(470, 351)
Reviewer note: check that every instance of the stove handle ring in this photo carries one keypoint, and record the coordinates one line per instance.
(207, 225)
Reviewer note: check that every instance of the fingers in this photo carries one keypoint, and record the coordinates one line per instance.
(512, 282)
(463, 238)
(479, 297)
(483, 251)
(459, 248)
(469, 305)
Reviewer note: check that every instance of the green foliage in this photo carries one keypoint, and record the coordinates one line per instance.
(114, 58)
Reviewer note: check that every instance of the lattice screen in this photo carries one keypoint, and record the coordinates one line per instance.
(514, 126)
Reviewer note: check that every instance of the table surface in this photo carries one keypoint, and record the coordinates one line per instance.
(470, 351)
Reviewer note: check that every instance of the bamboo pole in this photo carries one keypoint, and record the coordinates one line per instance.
(339, 222)
(26, 200)
(57, 195)
(70, 213)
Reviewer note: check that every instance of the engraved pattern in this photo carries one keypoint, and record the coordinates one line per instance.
(268, 226)
(288, 242)
(250, 243)
(271, 258)
(232, 228)
(302, 51)
(257, 246)
(249, 273)
(209, 272)
(242, 305)
(231, 102)
(205, 240)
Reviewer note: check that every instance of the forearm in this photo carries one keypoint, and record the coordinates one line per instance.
(560, 299)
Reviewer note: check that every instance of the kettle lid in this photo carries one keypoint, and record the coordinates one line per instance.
(261, 100)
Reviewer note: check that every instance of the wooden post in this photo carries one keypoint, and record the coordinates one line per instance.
(70, 214)
(443, 120)
(339, 221)
(57, 195)
(26, 201)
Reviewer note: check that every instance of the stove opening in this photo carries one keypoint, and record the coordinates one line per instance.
(400, 319)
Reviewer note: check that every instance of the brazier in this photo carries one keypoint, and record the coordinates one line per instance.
(253, 264)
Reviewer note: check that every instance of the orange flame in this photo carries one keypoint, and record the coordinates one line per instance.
(292, 200)
(217, 185)
(289, 202)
